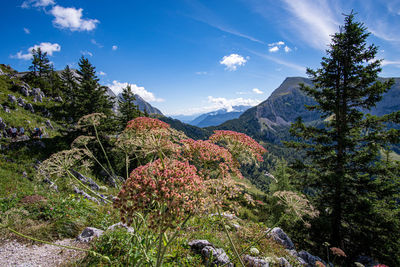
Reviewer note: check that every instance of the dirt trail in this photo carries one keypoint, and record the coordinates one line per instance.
(13, 254)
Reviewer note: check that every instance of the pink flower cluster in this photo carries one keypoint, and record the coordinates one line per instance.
(338, 252)
(165, 190)
(209, 157)
(145, 123)
(238, 143)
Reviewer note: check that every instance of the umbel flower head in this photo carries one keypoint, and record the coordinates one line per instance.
(244, 148)
(93, 119)
(296, 204)
(147, 136)
(166, 191)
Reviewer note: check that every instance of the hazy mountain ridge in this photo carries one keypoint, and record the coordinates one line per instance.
(219, 116)
(269, 121)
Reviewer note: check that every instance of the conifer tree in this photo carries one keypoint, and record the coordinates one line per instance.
(344, 172)
(40, 70)
(69, 90)
(90, 96)
(127, 106)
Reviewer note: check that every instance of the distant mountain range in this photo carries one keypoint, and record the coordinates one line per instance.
(219, 116)
(269, 121)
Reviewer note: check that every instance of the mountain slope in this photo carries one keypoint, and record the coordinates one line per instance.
(217, 117)
(143, 105)
(270, 120)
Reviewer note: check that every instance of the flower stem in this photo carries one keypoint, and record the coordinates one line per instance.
(230, 239)
(104, 152)
(87, 188)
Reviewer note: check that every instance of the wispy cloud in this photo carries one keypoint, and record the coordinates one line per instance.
(201, 72)
(93, 41)
(102, 73)
(314, 20)
(233, 61)
(37, 3)
(280, 61)
(273, 49)
(205, 15)
(114, 47)
(117, 87)
(27, 31)
(390, 62)
(86, 53)
(257, 91)
(46, 47)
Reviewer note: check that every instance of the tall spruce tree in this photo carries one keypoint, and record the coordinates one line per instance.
(344, 172)
(127, 106)
(90, 96)
(40, 70)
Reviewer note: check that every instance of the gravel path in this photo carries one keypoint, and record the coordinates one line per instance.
(13, 253)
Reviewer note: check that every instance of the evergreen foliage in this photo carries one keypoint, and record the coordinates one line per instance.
(127, 107)
(90, 96)
(354, 189)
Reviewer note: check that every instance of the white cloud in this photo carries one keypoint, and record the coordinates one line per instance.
(279, 43)
(201, 72)
(27, 31)
(86, 53)
(390, 62)
(257, 91)
(71, 18)
(273, 49)
(102, 73)
(287, 49)
(117, 87)
(49, 48)
(93, 41)
(114, 47)
(233, 61)
(37, 3)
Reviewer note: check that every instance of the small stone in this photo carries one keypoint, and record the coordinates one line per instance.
(217, 255)
(12, 98)
(281, 237)
(120, 225)
(255, 261)
(88, 234)
(49, 125)
(199, 244)
(254, 251)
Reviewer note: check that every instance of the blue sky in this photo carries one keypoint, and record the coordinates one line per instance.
(186, 56)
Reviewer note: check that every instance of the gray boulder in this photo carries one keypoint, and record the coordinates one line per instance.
(6, 109)
(88, 234)
(3, 125)
(86, 180)
(283, 262)
(38, 98)
(216, 256)
(21, 102)
(12, 98)
(120, 225)
(58, 99)
(281, 237)
(85, 195)
(49, 125)
(29, 107)
(296, 255)
(308, 258)
(25, 89)
(2, 72)
(198, 244)
(250, 261)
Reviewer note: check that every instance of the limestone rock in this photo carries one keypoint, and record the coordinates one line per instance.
(7, 109)
(21, 102)
(250, 261)
(12, 98)
(3, 125)
(308, 258)
(88, 234)
(216, 256)
(58, 99)
(198, 244)
(49, 125)
(29, 107)
(120, 225)
(281, 237)
(86, 180)
(85, 195)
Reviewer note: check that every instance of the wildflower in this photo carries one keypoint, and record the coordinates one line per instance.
(145, 123)
(319, 264)
(296, 204)
(243, 148)
(93, 119)
(165, 190)
(82, 141)
(338, 252)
